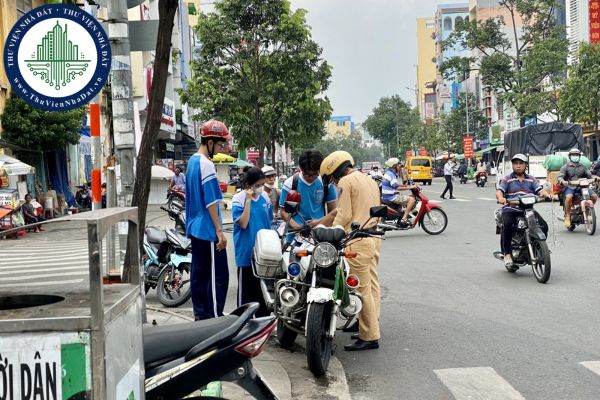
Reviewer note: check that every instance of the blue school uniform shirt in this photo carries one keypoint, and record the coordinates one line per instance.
(201, 190)
(261, 214)
(311, 204)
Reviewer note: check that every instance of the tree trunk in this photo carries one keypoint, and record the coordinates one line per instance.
(273, 152)
(141, 189)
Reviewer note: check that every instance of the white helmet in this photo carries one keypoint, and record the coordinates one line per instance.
(391, 162)
(268, 170)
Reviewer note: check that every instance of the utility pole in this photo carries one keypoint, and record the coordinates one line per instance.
(122, 102)
(397, 136)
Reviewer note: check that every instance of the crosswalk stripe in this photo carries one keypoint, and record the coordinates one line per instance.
(32, 284)
(47, 261)
(36, 270)
(480, 383)
(36, 255)
(593, 366)
(20, 278)
(486, 199)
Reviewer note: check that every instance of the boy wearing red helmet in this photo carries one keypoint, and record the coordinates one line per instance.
(210, 273)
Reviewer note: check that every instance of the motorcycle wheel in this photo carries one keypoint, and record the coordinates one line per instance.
(434, 222)
(318, 345)
(285, 335)
(541, 269)
(590, 225)
(174, 298)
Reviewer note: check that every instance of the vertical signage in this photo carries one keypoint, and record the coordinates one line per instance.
(594, 12)
(468, 146)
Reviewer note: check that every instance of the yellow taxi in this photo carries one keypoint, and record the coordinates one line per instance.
(418, 168)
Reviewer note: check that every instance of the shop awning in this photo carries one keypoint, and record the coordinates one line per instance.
(12, 166)
(488, 150)
(159, 172)
(241, 164)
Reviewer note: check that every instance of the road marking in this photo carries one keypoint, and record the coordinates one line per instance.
(30, 284)
(47, 261)
(35, 270)
(486, 198)
(41, 256)
(482, 383)
(20, 278)
(593, 366)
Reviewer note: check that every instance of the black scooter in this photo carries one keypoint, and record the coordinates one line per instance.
(183, 358)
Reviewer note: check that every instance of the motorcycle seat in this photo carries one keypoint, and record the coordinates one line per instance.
(166, 343)
(391, 204)
(331, 235)
(156, 235)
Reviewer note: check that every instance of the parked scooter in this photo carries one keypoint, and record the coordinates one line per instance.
(83, 197)
(168, 262)
(582, 207)
(314, 288)
(529, 245)
(183, 358)
(480, 178)
(176, 200)
(429, 216)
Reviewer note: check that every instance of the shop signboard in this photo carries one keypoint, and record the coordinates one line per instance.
(468, 146)
(594, 13)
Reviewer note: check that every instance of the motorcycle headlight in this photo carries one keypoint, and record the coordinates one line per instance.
(325, 254)
(528, 200)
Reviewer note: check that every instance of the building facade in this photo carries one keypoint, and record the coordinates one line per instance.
(339, 125)
(426, 71)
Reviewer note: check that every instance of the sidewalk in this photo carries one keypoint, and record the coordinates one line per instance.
(270, 369)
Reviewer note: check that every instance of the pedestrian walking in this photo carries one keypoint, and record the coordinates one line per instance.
(251, 211)
(448, 171)
(357, 194)
(210, 274)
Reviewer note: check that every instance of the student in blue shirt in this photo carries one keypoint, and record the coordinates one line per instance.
(209, 278)
(318, 205)
(251, 211)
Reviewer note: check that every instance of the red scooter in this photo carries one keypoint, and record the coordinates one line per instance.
(430, 216)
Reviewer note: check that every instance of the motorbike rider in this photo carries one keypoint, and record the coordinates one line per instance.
(375, 172)
(572, 171)
(462, 170)
(595, 170)
(391, 185)
(177, 180)
(510, 188)
(270, 188)
(357, 194)
(209, 278)
(318, 200)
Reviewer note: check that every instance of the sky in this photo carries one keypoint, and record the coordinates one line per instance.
(371, 45)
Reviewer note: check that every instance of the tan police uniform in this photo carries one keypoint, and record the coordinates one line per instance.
(357, 193)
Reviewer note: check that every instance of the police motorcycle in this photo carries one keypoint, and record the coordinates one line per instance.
(308, 283)
(167, 261)
(529, 245)
(181, 359)
(582, 207)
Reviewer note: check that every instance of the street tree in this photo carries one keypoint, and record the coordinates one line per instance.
(453, 126)
(521, 54)
(38, 130)
(580, 98)
(394, 123)
(261, 73)
(143, 170)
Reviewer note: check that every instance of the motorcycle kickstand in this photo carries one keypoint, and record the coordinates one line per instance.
(249, 379)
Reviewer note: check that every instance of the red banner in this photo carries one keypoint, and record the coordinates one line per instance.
(408, 154)
(423, 151)
(468, 146)
(594, 12)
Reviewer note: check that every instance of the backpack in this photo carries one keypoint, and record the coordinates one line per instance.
(325, 190)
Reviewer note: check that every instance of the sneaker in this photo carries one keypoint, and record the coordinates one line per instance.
(567, 222)
(452, 197)
(403, 224)
(442, 197)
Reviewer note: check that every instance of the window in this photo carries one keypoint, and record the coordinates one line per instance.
(500, 109)
(420, 162)
(340, 123)
(23, 6)
(458, 21)
(447, 24)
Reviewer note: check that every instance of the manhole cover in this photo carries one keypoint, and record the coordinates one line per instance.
(27, 300)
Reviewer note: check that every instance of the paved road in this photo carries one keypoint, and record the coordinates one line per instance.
(456, 325)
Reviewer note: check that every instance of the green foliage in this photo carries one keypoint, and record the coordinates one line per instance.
(525, 67)
(393, 115)
(580, 98)
(36, 129)
(453, 126)
(352, 144)
(261, 73)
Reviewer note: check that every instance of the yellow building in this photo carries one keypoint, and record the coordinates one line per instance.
(426, 73)
(10, 11)
(339, 125)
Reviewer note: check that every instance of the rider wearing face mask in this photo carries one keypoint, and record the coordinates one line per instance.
(572, 171)
(251, 212)
(270, 188)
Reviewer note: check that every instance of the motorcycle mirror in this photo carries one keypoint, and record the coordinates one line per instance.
(291, 207)
(378, 212)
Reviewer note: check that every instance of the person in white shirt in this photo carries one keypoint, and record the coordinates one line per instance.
(448, 171)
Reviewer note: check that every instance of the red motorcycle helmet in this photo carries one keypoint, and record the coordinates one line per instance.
(292, 202)
(215, 129)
